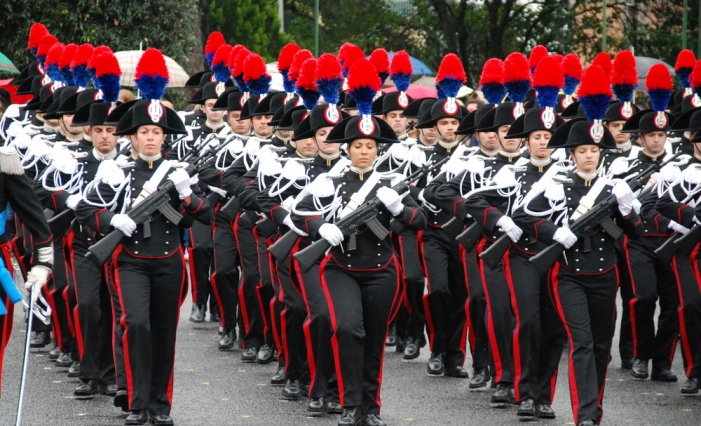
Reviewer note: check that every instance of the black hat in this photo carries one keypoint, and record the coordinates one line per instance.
(60, 96)
(647, 121)
(418, 107)
(562, 102)
(199, 79)
(211, 90)
(118, 112)
(249, 107)
(687, 103)
(153, 112)
(574, 110)
(268, 105)
(362, 127)
(34, 69)
(444, 108)
(349, 103)
(44, 94)
(687, 121)
(580, 131)
(292, 119)
(291, 104)
(230, 100)
(324, 115)
(504, 114)
(395, 101)
(533, 120)
(620, 111)
(78, 99)
(468, 124)
(92, 114)
(31, 86)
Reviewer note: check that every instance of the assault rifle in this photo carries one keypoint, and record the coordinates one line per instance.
(365, 214)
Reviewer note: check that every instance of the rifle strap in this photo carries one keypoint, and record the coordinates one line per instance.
(357, 199)
(588, 201)
(152, 184)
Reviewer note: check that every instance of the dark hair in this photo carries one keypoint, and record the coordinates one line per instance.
(5, 99)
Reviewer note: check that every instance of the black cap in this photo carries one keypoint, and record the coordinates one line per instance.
(418, 107)
(117, 113)
(688, 121)
(211, 90)
(618, 111)
(197, 80)
(349, 102)
(648, 120)
(574, 110)
(533, 120)
(32, 70)
(268, 105)
(249, 107)
(444, 108)
(292, 119)
(468, 124)
(504, 114)
(31, 86)
(77, 100)
(60, 96)
(92, 114)
(293, 103)
(45, 93)
(324, 115)
(230, 100)
(580, 131)
(395, 101)
(362, 127)
(144, 113)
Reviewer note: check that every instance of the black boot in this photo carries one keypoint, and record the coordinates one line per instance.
(86, 389)
(249, 355)
(40, 339)
(691, 386)
(291, 390)
(74, 369)
(639, 369)
(480, 378)
(278, 378)
(526, 409)
(138, 417)
(198, 312)
(351, 417)
(316, 407)
(227, 339)
(435, 365)
(266, 354)
(391, 336)
(412, 349)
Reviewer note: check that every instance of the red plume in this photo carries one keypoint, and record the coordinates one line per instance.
(67, 55)
(342, 52)
(99, 50)
(36, 32)
(558, 57)
(624, 71)
(594, 82)
(222, 54)
(231, 62)
(380, 59)
(685, 59)
(401, 64)
(107, 64)
(548, 73)
(214, 42)
(253, 67)
(297, 62)
(328, 67)
(284, 59)
(516, 68)
(539, 52)
(571, 66)
(658, 78)
(307, 73)
(603, 60)
(353, 53)
(83, 55)
(695, 77)
(363, 74)
(150, 64)
(492, 72)
(240, 59)
(54, 53)
(46, 42)
(451, 67)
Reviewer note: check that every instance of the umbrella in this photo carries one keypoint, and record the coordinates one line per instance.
(416, 92)
(643, 64)
(419, 67)
(427, 81)
(6, 65)
(129, 58)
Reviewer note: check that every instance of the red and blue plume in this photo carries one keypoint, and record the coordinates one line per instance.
(64, 63)
(594, 93)
(255, 74)
(624, 78)
(46, 43)
(492, 81)
(329, 78)
(450, 76)
(151, 75)
(342, 53)
(517, 76)
(306, 85)
(214, 42)
(659, 86)
(401, 70)
(353, 53)
(363, 84)
(548, 79)
(107, 74)
(572, 68)
(603, 60)
(297, 61)
(380, 59)
(695, 79)
(558, 57)
(51, 63)
(683, 67)
(92, 63)
(284, 61)
(238, 70)
(539, 52)
(36, 32)
(79, 65)
(219, 66)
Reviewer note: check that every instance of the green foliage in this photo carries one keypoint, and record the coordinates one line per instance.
(253, 23)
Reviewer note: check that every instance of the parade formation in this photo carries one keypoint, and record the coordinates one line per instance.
(326, 224)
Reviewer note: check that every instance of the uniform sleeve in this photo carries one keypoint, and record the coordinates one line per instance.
(270, 206)
(249, 190)
(96, 218)
(681, 213)
(539, 227)
(29, 210)
(200, 208)
(445, 194)
(412, 216)
(483, 208)
(310, 224)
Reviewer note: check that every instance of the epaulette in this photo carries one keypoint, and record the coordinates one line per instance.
(555, 190)
(10, 163)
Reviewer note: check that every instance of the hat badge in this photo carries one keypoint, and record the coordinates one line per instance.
(55, 86)
(155, 111)
(626, 110)
(331, 114)
(45, 80)
(696, 101)
(289, 97)
(450, 107)
(219, 88)
(97, 96)
(518, 110)
(403, 100)
(566, 101)
(596, 131)
(660, 120)
(366, 125)
(548, 117)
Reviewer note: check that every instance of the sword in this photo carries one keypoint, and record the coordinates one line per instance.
(25, 360)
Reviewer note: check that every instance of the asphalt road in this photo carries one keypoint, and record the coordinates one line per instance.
(214, 388)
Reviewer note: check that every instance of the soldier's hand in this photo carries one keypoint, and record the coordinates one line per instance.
(36, 278)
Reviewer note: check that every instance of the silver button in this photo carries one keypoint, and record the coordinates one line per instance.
(136, 252)
(601, 260)
(167, 242)
(601, 270)
(348, 254)
(379, 254)
(136, 242)
(378, 265)
(349, 266)
(576, 260)
(577, 269)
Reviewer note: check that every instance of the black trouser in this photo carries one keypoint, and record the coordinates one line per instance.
(444, 304)
(650, 279)
(411, 320)
(92, 314)
(688, 281)
(251, 310)
(117, 329)
(538, 336)
(150, 291)
(21, 246)
(225, 279)
(625, 337)
(269, 295)
(58, 299)
(361, 304)
(200, 251)
(476, 308)
(586, 304)
(500, 318)
(7, 319)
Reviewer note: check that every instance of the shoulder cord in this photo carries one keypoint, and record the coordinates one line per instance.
(331, 210)
(73, 183)
(111, 204)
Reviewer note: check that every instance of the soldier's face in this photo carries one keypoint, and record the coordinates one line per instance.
(306, 147)
(428, 136)
(488, 140)
(446, 129)
(66, 121)
(260, 125)
(586, 157)
(396, 121)
(508, 145)
(615, 128)
(214, 117)
(240, 127)
(103, 138)
(362, 153)
(150, 139)
(537, 144)
(326, 148)
(653, 142)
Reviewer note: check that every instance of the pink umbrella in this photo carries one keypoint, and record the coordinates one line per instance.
(416, 92)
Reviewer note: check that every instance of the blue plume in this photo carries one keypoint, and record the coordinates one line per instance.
(659, 98)
(518, 90)
(595, 106)
(571, 84)
(259, 86)
(494, 92)
(363, 97)
(67, 76)
(329, 89)
(402, 81)
(241, 83)
(450, 87)
(383, 77)
(440, 92)
(54, 72)
(109, 84)
(209, 58)
(683, 74)
(221, 72)
(309, 97)
(152, 87)
(286, 83)
(547, 96)
(81, 75)
(623, 92)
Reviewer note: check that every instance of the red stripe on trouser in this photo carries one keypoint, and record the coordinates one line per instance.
(108, 277)
(193, 277)
(518, 370)
(70, 269)
(574, 395)
(213, 280)
(242, 299)
(278, 335)
(682, 320)
(334, 326)
(55, 327)
(632, 302)
(123, 322)
(382, 357)
(183, 284)
(7, 319)
(553, 385)
(311, 360)
(490, 320)
(69, 316)
(261, 302)
(468, 323)
(427, 307)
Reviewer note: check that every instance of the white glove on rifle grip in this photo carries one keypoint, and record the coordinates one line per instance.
(624, 196)
(288, 222)
(391, 200)
(331, 233)
(124, 223)
(510, 228)
(565, 237)
(73, 200)
(36, 278)
(181, 180)
(677, 227)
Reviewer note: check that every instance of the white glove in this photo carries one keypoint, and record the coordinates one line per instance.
(331, 233)
(182, 183)
(124, 223)
(510, 228)
(420, 197)
(624, 196)
(36, 278)
(565, 237)
(391, 200)
(637, 205)
(670, 173)
(288, 222)
(677, 227)
(73, 200)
